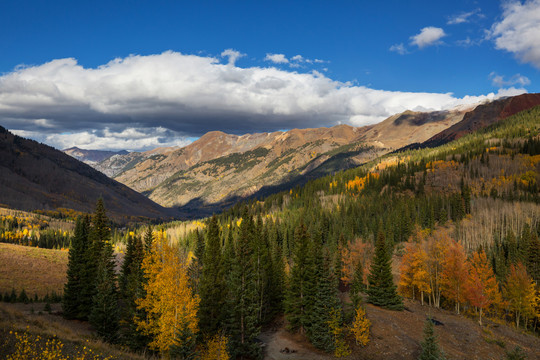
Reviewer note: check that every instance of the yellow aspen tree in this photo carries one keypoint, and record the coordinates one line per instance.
(360, 327)
(520, 292)
(436, 250)
(421, 279)
(216, 349)
(169, 304)
(406, 270)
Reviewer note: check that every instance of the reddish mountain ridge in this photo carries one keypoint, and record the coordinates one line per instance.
(483, 116)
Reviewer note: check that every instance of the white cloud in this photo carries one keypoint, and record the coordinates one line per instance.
(276, 58)
(463, 17)
(232, 54)
(158, 100)
(500, 81)
(519, 31)
(428, 36)
(399, 48)
(298, 58)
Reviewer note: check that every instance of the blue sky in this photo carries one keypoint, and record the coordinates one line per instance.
(174, 78)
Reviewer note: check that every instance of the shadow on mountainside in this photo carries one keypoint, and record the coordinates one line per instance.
(197, 207)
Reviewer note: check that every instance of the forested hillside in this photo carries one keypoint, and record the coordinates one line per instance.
(344, 265)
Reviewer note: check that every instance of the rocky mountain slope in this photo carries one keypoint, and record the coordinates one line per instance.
(219, 168)
(35, 176)
(92, 157)
(483, 116)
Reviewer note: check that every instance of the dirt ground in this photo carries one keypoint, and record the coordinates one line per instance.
(397, 335)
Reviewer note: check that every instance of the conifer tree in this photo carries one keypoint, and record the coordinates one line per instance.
(242, 296)
(99, 234)
(298, 302)
(357, 285)
(325, 300)
(430, 346)
(212, 286)
(104, 316)
(148, 238)
(382, 291)
(77, 261)
(134, 281)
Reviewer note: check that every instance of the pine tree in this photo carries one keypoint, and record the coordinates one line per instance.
(357, 285)
(212, 286)
(99, 235)
(382, 291)
(76, 270)
(104, 316)
(242, 296)
(325, 299)
(302, 280)
(430, 346)
(148, 238)
(134, 282)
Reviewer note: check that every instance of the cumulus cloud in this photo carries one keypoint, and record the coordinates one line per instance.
(399, 48)
(463, 17)
(159, 100)
(276, 58)
(232, 54)
(518, 31)
(428, 36)
(500, 81)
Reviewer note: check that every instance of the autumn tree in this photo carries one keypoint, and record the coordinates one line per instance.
(482, 289)
(169, 303)
(435, 254)
(216, 348)
(360, 327)
(382, 291)
(519, 290)
(455, 273)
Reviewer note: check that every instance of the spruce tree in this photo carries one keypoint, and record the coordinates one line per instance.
(148, 238)
(212, 286)
(325, 301)
(301, 283)
(77, 261)
(382, 291)
(430, 346)
(242, 299)
(99, 234)
(357, 285)
(104, 316)
(134, 279)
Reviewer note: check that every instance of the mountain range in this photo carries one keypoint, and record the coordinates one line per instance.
(219, 169)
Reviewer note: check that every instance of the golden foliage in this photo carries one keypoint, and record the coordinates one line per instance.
(216, 349)
(520, 292)
(357, 252)
(170, 304)
(360, 327)
(341, 348)
(34, 347)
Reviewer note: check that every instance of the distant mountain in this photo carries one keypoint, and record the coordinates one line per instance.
(34, 176)
(92, 157)
(220, 168)
(483, 116)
